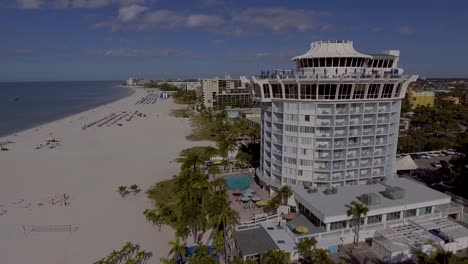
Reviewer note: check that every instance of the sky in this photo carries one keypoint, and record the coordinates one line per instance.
(57, 40)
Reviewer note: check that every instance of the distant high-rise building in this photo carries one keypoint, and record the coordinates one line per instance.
(218, 93)
(334, 122)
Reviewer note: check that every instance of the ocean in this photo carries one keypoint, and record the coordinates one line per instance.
(25, 105)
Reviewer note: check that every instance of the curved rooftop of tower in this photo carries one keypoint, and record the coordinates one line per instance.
(327, 49)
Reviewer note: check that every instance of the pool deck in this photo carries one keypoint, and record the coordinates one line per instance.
(247, 214)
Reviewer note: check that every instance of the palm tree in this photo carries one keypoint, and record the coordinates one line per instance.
(193, 157)
(275, 257)
(222, 216)
(254, 134)
(305, 246)
(134, 188)
(357, 210)
(122, 190)
(320, 256)
(166, 261)
(226, 143)
(219, 186)
(285, 192)
(177, 249)
(213, 170)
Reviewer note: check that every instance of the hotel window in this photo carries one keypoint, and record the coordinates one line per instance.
(308, 91)
(266, 90)
(345, 91)
(342, 62)
(290, 128)
(380, 64)
(306, 129)
(348, 62)
(410, 213)
(385, 64)
(337, 225)
(336, 62)
(373, 91)
(322, 62)
(303, 151)
(304, 162)
(359, 91)
(425, 210)
(291, 91)
(277, 91)
(315, 62)
(387, 90)
(307, 118)
(397, 90)
(291, 117)
(290, 160)
(299, 172)
(374, 63)
(369, 63)
(257, 90)
(327, 91)
(393, 216)
(329, 62)
(290, 139)
(306, 141)
(375, 219)
(352, 222)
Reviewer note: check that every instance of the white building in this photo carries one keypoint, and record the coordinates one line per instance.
(330, 132)
(335, 122)
(217, 93)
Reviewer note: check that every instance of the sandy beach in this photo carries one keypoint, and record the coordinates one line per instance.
(39, 225)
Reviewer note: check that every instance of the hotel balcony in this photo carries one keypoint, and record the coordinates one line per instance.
(341, 122)
(277, 120)
(277, 141)
(277, 131)
(267, 118)
(370, 109)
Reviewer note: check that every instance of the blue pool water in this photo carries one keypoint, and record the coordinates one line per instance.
(237, 182)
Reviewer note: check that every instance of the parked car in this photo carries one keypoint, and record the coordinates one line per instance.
(442, 186)
(436, 164)
(444, 164)
(450, 152)
(424, 156)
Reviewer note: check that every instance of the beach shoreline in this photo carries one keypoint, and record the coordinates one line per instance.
(131, 90)
(87, 166)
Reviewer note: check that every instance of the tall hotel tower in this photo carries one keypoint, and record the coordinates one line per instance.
(334, 122)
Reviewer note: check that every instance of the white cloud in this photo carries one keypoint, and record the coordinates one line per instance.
(129, 13)
(203, 21)
(29, 4)
(281, 18)
(406, 30)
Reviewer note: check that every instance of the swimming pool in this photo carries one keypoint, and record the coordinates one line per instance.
(237, 182)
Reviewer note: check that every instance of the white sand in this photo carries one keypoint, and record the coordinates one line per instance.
(89, 166)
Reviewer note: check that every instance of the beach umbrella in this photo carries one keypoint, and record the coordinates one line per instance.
(248, 190)
(261, 203)
(302, 229)
(245, 198)
(289, 216)
(237, 192)
(255, 198)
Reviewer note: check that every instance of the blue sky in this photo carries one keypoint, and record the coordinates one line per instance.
(114, 39)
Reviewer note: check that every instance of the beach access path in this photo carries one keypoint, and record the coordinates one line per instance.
(37, 226)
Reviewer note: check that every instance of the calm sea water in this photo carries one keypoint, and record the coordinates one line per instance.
(41, 102)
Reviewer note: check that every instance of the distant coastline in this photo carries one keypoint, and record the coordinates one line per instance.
(91, 106)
